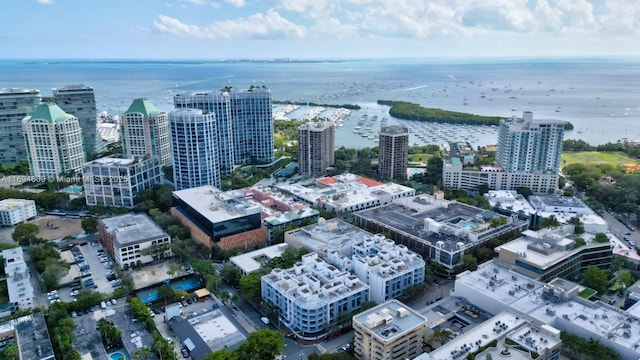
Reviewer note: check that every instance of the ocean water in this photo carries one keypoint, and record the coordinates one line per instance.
(601, 97)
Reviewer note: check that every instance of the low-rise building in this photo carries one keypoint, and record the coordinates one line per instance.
(312, 295)
(522, 336)
(219, 219)
(111, 181)
(438, 229)
(455, 176)
(388, 331)
(554, 252)
(494, 287)
(16, 211)
(347, 193)
(563, 208)
(387, 268)
(279, 210)
(30, 334)
(134, 239)
(252, 261)
(18, 279)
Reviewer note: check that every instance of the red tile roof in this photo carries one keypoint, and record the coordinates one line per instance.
(328, 180)
(369, 182)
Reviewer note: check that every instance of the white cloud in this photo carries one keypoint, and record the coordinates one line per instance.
(45, 2)
(335, 28)
(258, 26)
(236, 3)
(174, 26)
(195, 2)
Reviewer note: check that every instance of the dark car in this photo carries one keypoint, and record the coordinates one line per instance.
(185, 352)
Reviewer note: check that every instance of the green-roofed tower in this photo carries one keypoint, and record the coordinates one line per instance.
(145, 131)
(49, 112)
(53, 141)
(142, 106)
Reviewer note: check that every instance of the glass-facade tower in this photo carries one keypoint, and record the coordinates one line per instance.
(194, 147)
(15, 105)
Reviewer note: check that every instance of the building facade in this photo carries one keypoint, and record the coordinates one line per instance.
(15, 105)
(80, 101)
(224, 220)
(218, 103)
(387, 268)
(145, 131)
(393, 152)
(252, 125)
(126, 237)
(113, 181)
(530, 146)
(18, 279)
(528, 155)
(390, 330)
(194, 147)
(316, 147)
(53, 140)
(550, 253)
(244, 123)
(440, 230)
(16, 211)
(311, 295)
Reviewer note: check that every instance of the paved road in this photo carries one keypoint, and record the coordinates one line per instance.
(620, 230)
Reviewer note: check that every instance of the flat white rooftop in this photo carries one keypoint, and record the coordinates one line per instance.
(390, 320)
(215, 205)
(509, 200)
(252, 261)
(112, 161)
(132, 229)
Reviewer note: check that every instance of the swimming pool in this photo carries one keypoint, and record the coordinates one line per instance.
(117, 356)
(73, 189)
(186, 284)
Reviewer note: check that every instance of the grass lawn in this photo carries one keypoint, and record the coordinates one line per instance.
(597, 157)
(419, 157)
(586, 293)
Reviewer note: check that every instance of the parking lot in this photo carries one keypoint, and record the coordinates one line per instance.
(86, 339)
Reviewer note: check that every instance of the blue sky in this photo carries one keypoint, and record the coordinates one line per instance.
(265, 29)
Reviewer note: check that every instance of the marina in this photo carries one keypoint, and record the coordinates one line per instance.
(364, 131)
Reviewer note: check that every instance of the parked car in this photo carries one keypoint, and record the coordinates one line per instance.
(103, 305)
(184, 352)
(114, 301)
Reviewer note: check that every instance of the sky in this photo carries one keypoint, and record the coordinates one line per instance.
(317, 29)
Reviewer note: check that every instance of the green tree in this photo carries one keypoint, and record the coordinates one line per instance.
(626, 278)
(55, 270)
(109, 333)
(549, 222)
(25, 234)
(212, 283)
(139, 309)
(578, 226)
(10, 352)
(469, 262)
(166, 293)
(263, 344)
(223, 354)
(231, 274)
(203, 267)
(601, 238)
(596, 279)
(439, 336)
(90, 225)
(250, 287)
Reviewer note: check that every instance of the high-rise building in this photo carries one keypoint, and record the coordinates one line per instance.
(194, 147)
(80, 101)
(393, 153)
(244, 123)
(528, 156)
(390, 330)
(316, 147)
(530, 146)
(113, 181)
(15, 105)
(145, 131)
(252, 125)
(53, 140)
(218, 103)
